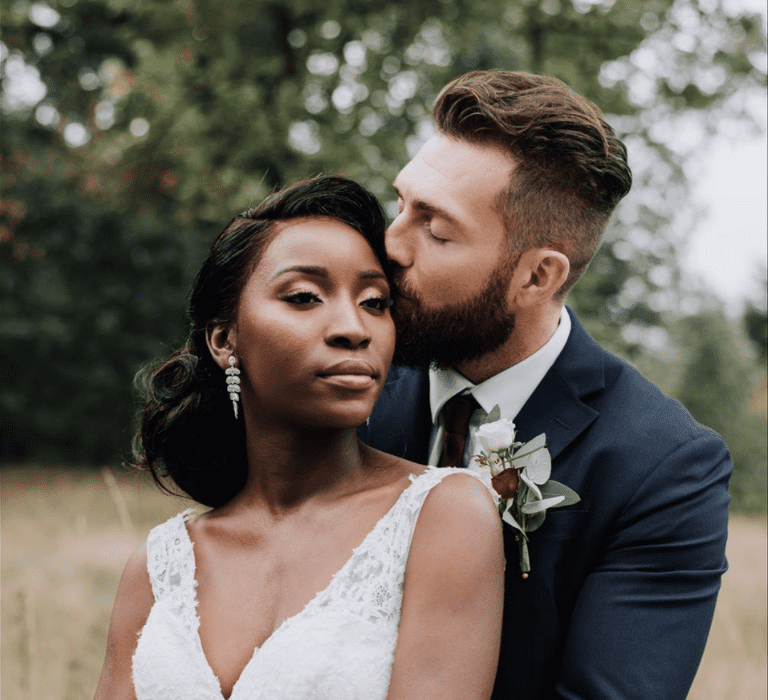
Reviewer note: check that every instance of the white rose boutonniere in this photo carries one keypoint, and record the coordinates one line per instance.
(519, 475)
(496, 436)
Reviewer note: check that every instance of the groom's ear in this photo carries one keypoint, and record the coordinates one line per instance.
(538, 276)
(220, 341)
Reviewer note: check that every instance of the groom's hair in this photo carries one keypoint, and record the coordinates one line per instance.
(570, 169)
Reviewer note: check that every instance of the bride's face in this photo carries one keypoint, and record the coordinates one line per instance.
(314, 337)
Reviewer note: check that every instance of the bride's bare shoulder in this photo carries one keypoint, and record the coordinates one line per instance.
(463, 500)
(134, 595)
(132, 605)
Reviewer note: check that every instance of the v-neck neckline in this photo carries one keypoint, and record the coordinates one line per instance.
(313, 602)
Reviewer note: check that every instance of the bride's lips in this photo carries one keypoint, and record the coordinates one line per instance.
(350, 374)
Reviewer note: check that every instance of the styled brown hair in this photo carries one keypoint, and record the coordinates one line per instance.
(570, 169)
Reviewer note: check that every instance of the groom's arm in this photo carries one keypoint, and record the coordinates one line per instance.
(643, 615)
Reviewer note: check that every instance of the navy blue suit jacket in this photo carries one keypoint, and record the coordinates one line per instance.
(622, 588)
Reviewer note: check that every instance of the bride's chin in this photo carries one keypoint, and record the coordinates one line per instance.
(349, 413)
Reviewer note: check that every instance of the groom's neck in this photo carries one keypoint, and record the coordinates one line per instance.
(533, 329)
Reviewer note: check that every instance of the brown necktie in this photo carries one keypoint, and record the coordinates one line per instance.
(456, 412)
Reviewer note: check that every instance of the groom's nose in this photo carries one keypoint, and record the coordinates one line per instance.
(397, 241)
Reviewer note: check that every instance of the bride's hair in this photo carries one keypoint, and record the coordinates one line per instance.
(188, 433)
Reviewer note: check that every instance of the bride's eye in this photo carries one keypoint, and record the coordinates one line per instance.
(377, 303)
(302, 298)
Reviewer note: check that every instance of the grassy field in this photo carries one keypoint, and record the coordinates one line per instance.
(66, 536)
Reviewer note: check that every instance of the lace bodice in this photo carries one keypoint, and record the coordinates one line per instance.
(339, 647)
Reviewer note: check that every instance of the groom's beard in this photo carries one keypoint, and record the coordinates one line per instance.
(451, 334)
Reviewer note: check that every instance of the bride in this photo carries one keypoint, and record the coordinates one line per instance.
(324, 568)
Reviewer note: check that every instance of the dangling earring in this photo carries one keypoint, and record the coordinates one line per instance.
(233, 383)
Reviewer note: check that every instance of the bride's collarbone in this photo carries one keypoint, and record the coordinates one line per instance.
(260, 539)
(273, 571)
(250, 583)
(260, 566)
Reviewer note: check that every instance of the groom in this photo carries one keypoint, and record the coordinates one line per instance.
(499, 214)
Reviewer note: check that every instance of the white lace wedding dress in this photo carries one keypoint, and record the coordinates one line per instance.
(339, 647)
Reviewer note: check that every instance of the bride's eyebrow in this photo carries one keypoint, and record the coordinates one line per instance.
(317, 271)
(312, 270)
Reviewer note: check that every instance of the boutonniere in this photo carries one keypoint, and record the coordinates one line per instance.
(519, 476)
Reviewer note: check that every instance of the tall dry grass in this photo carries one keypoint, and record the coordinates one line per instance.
(734, 664)
(65, 537)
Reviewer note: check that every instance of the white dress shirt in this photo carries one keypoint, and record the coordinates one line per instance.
(509, 390)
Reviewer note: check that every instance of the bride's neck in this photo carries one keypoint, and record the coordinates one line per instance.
(287, 468)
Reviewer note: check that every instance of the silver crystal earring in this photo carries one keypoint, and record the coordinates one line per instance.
(233, 383)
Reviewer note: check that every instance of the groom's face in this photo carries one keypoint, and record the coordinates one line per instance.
(449, 245)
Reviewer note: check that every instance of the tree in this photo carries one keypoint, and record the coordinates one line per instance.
(75, 333)
(175, 115)
(718, 386)
(755, 319)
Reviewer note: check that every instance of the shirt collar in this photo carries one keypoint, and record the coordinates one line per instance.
(509, 389)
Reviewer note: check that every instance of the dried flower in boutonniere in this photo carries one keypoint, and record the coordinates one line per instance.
(519, 476)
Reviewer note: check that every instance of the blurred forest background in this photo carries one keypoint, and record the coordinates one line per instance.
(133, 130)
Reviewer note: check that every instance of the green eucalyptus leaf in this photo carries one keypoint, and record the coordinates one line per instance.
(538, 506)
(525, 559)
(555, 488)
(510, 520)
(538, 463)
(520, 458)
(539, 441)
(535, 521)
(523, 451)
(540, 466)
(494, 415)
(532, 486)
(518, 461)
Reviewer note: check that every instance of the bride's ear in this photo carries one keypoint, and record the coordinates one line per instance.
(220, 344)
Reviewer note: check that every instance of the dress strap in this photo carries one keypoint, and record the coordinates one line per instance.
(171, 565)
(422, 484)
(370, 584)
(409, 506)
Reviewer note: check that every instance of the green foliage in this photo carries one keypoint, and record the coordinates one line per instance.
(756, 325)
(719, 387)
(153, 122)
(88, 295)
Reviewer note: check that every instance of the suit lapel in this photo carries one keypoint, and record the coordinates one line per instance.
(556, 406)
(401, 421)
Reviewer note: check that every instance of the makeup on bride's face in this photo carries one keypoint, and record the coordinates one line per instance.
(314, 336)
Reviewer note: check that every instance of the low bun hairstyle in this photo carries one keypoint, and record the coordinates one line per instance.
(188, 435)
